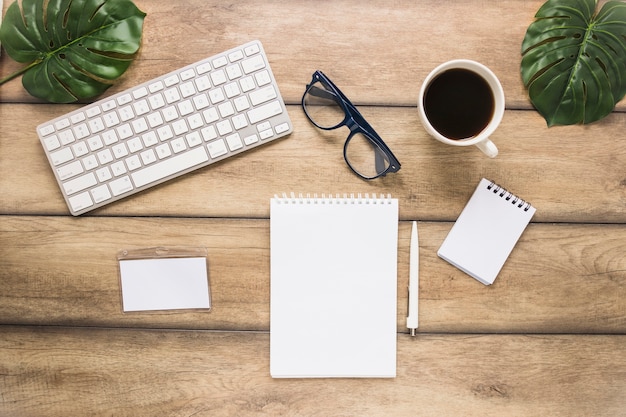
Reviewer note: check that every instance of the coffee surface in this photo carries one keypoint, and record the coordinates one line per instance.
(459, 103)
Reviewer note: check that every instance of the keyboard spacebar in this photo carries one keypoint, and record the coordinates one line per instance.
(169, 167)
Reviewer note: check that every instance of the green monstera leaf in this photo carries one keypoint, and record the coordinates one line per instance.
(574, 61)
(75, 48)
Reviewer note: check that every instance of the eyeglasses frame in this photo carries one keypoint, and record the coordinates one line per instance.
(354, 120)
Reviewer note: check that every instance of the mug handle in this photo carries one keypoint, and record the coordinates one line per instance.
(488, 148)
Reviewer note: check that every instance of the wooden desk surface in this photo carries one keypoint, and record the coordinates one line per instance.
(547, 339)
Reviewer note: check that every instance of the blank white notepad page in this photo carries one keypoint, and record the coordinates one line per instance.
(333, 287)
(486, 231)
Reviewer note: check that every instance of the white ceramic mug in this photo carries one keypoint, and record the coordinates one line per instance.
(480, 139)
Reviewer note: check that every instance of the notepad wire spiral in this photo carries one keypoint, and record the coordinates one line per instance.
(345, 198)
(508, 196)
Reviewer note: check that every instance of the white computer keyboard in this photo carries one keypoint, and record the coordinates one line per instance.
(179, 122)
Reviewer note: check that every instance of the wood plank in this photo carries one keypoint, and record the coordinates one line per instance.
(63, 271)
(380, 53)
(148, 373)
(576, 173)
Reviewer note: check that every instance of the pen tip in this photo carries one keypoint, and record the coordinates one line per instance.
(413, 332)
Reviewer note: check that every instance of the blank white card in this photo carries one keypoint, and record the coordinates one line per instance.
(164, 284)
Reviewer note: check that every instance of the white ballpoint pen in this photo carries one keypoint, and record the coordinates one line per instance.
(412, 319)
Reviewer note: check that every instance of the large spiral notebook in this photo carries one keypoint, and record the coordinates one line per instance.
(333, 286)
(486, 231)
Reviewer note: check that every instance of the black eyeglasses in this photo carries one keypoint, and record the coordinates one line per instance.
(364, 151)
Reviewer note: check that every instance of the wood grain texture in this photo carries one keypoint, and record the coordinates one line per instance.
(148, 373)
(72, 279)
(571, 174)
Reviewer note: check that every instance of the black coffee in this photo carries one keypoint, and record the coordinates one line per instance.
(459, 103)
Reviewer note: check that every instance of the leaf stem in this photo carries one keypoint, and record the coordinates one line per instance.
(19, 72)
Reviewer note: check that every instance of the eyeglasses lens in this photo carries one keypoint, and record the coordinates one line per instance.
(322, 107)
(365, 157)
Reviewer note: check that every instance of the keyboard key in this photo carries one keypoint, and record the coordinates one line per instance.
(134, 145)
(111, 119)
(52, 142)
(77, 117)
(150, 139)
(104, 174)
(156, 86)
(203, 68)
(80, 183)
(46, 130)
(81, 131)
(108, 105)
(233, 72)
(124, 99)
(239, 121)
(90, 162)
(171, 95)
(247, 84)
(170, 113)
(126, 113)
(264, 112)
(105, 156)
(163, 151)
(80, 149)
(100, 193)
(265, 134)
(195, 121)
(261, 96)
(81, 201)
(193, 139)
(61, 156)
(252, 49)
(234, 142)
(169, 166)
(253, 64)
(121, 186)
(96, 125)
(62, 124)
(209, 133)
(203, 83)
(178, 145)
(148, 157)
(171, 80)
(118, 168)
(220, 62)
(235, 55)
(262, 78)
(187, 89)
(109, 137)
(70, 170)
(218, 77)
(93, 111)
(66, 137)
(120, 150)
(141, 107)
(156, 101)
(95, 143)
(133, 163)
(216, 95)
(249, 140)
(140, 92)
(281, 128)
(217, 148)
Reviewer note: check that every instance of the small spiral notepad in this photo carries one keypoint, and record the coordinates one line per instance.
(486, 231)
(333, 286)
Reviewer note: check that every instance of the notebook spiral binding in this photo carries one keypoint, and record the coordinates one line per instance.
(508, 196)
(333, 199)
